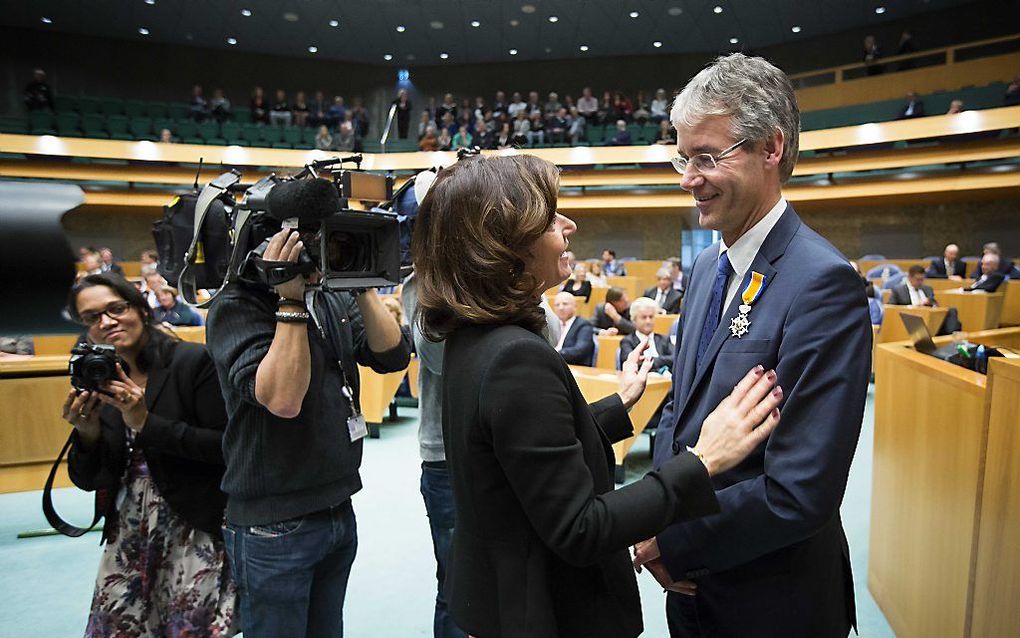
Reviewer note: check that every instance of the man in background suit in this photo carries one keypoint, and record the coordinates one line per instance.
(576, 342)
(949, 267)
(642, 313)
(774, 562)
(1005, 265)
(913, 108)
(611, 267)
(613, 317)
(990, 276)
(913, 292)
(666, 298)
(676, 271)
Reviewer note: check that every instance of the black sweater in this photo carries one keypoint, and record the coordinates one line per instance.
(278, 468)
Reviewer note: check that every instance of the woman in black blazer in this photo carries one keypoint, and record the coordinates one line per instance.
(541, 537)
(578, 285)
(150, 443)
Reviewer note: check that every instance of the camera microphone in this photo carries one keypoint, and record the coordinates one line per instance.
(306, 199)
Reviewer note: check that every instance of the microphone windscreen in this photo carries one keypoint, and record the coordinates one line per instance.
(306, 199)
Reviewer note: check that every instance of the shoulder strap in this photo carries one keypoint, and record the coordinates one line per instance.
(59, 524)
(209, 193)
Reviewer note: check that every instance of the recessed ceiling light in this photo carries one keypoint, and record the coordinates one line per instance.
(634, 14)
(246, 13)
(513, 51)
(553, 19)
(584, 47)
(879, 10)
(515, 23)
(717, 9)
(143, 31)
(657, 44)
(334, 23)
(410, 57)
(527, 8)
(548, 49)
(46, 20)
(734, 40)
(387, 57)
(444, 56)
(313, 49)
(231, 41)
(401, 28)
(150, 1)
(436, 24)
(795, 29)
(476, 23)
(290, 16)
(675, 11)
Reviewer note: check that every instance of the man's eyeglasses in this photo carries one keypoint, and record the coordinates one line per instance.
(115, 310)
(702, 162)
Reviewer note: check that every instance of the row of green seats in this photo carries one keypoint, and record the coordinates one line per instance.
(133, 108)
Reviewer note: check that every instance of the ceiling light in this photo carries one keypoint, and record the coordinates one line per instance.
(717, 9)
(553, 19)
(527, 8)
(513, 51)
(334, 23)
(880, 10)
(657, 44)
(387, 57)
(143, 31)
(46, 20)
(674, 11)
(290, 16)
(436, 24)
(410, 57)
(795, 29)
(515, 22)
(584, 47)
(246, 13)
(401, 28)
(734, 40)
(231, 41)
(548, 49)
(634, 14)
(444, 56)
(150, 1)
(313, 49)
(476, 23)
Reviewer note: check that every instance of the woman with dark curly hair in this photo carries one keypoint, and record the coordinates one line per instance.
(151, 439)
(540, 541)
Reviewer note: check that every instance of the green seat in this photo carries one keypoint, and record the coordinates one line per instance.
(134, 108)
(311, 131)
(41, 123)
(231, 132)
(292, 135)
(157, 110)
(111, 106)
(14, 125)
(160, 123)
(596, 134)
(88, 105)
(242, 114)
(94, 125)
(281, 145)
(141, 128)
(118, 126)
(64, 103)
(209, 131)
(251, 133)
(270, 135)
(187, 132)
(178, 110)
(69, 124)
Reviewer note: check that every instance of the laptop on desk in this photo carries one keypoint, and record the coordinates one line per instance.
(921, 338)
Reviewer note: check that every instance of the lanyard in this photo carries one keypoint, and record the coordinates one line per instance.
(346, 390)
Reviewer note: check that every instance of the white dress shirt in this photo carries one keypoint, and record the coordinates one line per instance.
(651, 352)
(744, 250)
(917, 297)
(660, 297)
(564, 329)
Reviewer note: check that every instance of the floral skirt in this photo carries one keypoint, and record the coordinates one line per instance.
(160, 577)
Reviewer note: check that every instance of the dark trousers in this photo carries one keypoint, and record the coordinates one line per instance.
(292, 575)
(438, 495)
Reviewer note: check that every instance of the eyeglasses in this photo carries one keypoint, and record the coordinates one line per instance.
(115, 310)
(702, 162)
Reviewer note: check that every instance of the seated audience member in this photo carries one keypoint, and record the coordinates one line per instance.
(149, 260)
(956, 106)
(38, 96)
(536, 129)
(484, 137)
(16, 346)
(622, 135)
(505, 136)
(587, 105)
(346, 138)
(361, 119)
(429, 141)
(517, 105)
(577, 342)
(447, 107)
(623, 107)
(323, 140)
(108, 264)
(871, 55)
(578, 285)
(425, 123)
(576, 126)
(659, 107)
(166, 137)
(913, 292)
(463, 139)
(198, 106)
(93, 265)
(258, 106)
(665, 134)
(612, 267)
(534, 105)
(553, 105)
(1005, 264)
(173, 311)
(300, 109)
(660, 350)
(152, 282)
(676, 271)
(596, 276)
(280, 114)
(445, 141)
(499, 104)
(219, 105)
(913, 108)
(317, 109)
(666, 298)
(449, 123)
(85, 251)
(556, 126)
(522, 126)
(949, 267)
(1012, 96)
(641, 112)
(875, 309)
(613, 317)
(152, 441)
(990, 277)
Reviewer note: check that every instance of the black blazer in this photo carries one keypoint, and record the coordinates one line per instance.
(579, 344)
(582, 289)
(1005, 268)
(540, 546)
(990, 284)
(900, 296)
(662, 346)
(182, 441)
(937, 269)
(602, 321)
(673, 298)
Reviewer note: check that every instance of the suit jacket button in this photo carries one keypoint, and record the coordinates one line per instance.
(676, 447)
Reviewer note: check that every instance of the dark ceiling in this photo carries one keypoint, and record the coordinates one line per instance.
(366, 30)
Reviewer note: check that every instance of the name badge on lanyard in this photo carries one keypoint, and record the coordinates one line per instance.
(356, 426)
(752, 290)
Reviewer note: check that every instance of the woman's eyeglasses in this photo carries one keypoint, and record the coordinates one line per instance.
(702, 162)
(115, 310)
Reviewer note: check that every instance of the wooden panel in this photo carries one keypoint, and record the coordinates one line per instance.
(606, 357)
(928, 450)
(903, 264)
(977, 311)
(997, 571)
(32, 476)
(628, 283)
(377, 391)
(413, 369)
(938, 285)
(54, 345)
(32, 429)
(1011, 304)
(663, 323)
(892, 326)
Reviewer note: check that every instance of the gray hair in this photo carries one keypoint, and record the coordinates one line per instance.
(756, 94)
(643, 303)
(663, 272)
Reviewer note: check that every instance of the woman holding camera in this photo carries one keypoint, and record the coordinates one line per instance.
(150, 439)
(540, 543)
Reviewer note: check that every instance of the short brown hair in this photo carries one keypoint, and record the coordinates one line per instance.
(478, 220)
(915, 270)
(614, 294)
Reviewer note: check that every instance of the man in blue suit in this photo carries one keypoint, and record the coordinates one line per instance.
(775, 561)
(576, 341)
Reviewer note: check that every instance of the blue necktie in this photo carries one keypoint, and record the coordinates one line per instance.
(722, 275)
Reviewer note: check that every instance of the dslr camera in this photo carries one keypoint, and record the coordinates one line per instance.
(92, 365)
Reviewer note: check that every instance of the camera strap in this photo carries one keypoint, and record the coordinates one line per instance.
(59, 524)
(210, 192)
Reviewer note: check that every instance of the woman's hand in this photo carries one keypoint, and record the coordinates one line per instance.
(128, 397)
(81, 409)
(741, 422)
(635, 376)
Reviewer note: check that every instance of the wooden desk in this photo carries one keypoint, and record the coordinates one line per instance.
(413, 369)
(606, 357)
(631, 284)
(663, 324)
(892, 326)
(377, 391)
(597, 384)
(977, 311)
(938, 285)
(1011, 304)
(903, 264)
(929, 460)
(886, 294)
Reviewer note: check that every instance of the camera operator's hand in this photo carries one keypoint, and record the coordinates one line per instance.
(128, 397)
(81, 409)
(286, 246)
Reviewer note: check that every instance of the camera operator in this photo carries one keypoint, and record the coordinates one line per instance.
(152, 439)
(287, 364)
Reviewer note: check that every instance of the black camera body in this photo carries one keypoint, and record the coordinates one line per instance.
(92, 365)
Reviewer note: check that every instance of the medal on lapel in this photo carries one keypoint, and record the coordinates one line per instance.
(755, 285)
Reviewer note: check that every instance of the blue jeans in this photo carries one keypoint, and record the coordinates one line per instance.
(292, 575)
(438, 495)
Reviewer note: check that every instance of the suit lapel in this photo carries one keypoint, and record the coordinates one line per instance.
(157, 379)
(698, 299)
